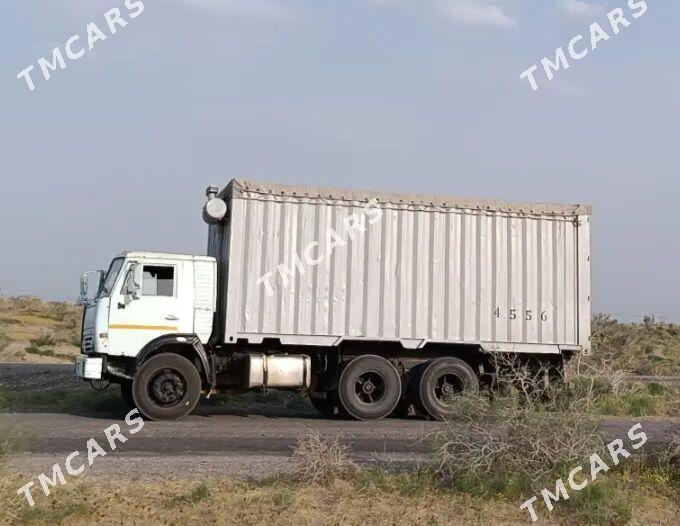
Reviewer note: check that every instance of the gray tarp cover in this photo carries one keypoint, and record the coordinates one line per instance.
(250, 189)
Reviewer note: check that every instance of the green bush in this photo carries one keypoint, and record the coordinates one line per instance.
(46, 340)
(657, 389)
(637, 402)
(485, 485)
(39, 351)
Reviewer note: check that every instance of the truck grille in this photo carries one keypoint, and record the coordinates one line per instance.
(88, 344)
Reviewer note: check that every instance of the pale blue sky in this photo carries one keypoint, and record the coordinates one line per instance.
(115, 151)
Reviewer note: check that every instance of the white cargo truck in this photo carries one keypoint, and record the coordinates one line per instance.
(371, 302)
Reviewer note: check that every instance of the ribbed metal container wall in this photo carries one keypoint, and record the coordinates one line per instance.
(417, 273)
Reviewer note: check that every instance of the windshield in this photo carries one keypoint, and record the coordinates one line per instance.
(110, 279)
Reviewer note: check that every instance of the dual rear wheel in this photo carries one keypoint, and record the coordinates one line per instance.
(370, 388)
(436, 384)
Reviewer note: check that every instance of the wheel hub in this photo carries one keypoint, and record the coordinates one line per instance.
(447, 386)
(370, 387)
(168, 388)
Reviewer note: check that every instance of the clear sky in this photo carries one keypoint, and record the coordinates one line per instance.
(115, 151)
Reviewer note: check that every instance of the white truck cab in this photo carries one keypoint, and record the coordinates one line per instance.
(146, 295)
(147, 325)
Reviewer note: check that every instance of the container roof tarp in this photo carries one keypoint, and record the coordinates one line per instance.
(251, 189)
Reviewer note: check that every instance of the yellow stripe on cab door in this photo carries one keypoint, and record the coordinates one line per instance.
(144, 327)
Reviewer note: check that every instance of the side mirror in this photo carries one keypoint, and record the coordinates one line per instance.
(85, 286)
(83, 290)
(133, 283)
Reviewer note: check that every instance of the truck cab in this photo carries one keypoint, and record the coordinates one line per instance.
(144, 301)
(148, 325)
(143, 296)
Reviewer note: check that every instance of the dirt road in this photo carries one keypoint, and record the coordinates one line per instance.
(219, 440)
(224, 442)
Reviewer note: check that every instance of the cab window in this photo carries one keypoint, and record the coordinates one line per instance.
(109, 281)
(158, 281)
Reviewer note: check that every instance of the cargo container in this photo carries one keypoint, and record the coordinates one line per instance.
(373, 302)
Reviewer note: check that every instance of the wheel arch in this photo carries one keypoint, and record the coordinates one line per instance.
(187, 345)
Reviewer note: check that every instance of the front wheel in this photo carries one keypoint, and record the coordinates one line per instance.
(166, 387)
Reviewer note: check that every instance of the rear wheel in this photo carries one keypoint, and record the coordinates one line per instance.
(166, 387)
(370, 388)
(439, 381)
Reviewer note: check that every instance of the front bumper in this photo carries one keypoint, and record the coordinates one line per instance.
(88, 368)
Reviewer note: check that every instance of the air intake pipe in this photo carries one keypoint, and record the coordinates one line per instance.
(215, 210)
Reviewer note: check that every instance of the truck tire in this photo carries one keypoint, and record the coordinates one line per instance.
(126, 394)
(439, 379)
(370, 388)
(166, 387)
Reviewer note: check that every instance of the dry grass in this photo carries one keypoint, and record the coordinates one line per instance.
(647, 348)
(33, 330)
(366, 499)
(320, 460)
(10, 505)
(604, 388)
(228, 502)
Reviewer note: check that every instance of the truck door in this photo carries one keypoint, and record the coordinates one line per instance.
(157, 309)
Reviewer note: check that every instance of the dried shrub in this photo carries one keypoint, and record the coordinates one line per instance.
(670, 456)
(320, 460)
(515, 443)
(529, 429)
